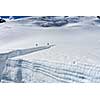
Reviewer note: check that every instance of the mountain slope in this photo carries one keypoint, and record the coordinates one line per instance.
(77, 41)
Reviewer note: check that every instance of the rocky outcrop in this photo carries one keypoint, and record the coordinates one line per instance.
(2, 21)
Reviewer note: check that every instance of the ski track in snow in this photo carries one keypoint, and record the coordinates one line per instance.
(51, 72)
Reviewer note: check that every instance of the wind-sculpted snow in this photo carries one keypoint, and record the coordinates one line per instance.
(56, 21)
(49, 21)
(39, 71)
(42, 21)
(53, 21)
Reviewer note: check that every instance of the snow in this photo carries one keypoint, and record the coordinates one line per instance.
(77, 43)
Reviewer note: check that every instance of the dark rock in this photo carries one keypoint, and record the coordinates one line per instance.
(2, 21)
(98, 17)
(60, 23)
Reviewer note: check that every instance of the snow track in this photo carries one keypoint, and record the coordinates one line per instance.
(60, 73)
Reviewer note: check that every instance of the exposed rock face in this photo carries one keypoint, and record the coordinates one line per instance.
(98, 17)
(2, 21)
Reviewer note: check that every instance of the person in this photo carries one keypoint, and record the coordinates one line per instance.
(36, 44)
(47, 43)
(5, 56)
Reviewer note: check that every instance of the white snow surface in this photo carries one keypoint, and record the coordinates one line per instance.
(78, 42)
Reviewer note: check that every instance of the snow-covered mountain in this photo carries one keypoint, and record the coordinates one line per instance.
(52, 21)
(77, 40)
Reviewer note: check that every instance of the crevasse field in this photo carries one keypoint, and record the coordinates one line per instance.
(73, 58)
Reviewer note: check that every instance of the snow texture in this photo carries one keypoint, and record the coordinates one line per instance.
(73, 58)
